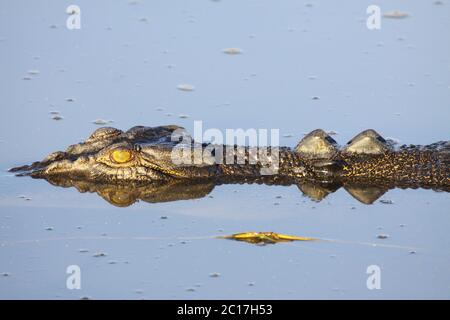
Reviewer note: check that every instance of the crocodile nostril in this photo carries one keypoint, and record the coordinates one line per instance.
(137, 147)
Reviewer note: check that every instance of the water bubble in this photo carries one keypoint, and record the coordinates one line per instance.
(99, 255)
(185, 87)
(102, 122)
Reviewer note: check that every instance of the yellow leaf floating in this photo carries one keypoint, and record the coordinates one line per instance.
(264, 237)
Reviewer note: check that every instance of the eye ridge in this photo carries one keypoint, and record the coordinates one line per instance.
(121, 155)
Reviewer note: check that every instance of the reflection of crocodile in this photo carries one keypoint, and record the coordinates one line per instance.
(367, 166)
(124, 195)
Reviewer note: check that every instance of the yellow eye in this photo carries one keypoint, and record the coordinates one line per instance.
(121, 155)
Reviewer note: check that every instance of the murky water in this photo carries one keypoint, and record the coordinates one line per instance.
(301, 65)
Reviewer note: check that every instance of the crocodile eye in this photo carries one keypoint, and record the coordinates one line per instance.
(121, 155)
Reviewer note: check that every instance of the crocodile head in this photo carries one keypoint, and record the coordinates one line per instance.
(111, 155)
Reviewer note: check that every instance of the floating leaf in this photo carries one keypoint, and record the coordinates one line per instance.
(264, 237)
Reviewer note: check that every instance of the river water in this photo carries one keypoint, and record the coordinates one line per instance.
(302, 65)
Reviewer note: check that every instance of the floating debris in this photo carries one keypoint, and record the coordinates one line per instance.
(396, 15)
(185, 87)
(251, 284)
(83, 250)
(264, 237)
(332, 133)
(190, 289)
(232, 51)
(386, 201)
(183, 116)
(6, 274)
(53, 26)
(99, 254)
(382, 236)
(315, 98)
(143, 19)
(163, 217)
(57, 117)
(112, 262)
(102, 122)
(287, 135)
(214, 275)
(33, 72)
(85, 298)
(49, 228)
(54, 112)
(70, 99)
(159, 109)
(27, 78)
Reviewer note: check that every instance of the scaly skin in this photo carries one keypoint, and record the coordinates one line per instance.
(143, 155)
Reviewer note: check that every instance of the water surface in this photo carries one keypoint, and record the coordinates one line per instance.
(125, 64)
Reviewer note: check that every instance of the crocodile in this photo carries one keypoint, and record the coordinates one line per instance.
(140, 161)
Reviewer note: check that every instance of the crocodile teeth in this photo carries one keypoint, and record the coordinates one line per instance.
(367, 142)
(317, 145)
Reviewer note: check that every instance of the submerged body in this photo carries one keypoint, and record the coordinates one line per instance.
(146, 154)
